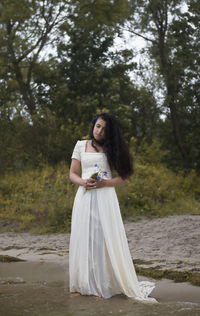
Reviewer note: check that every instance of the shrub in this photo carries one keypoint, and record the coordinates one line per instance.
(41, 199)
(155, 190)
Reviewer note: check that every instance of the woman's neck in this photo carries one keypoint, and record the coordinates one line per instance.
(99, 143)
(95, 144)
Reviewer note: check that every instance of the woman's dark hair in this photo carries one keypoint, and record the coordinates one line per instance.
(116, 150)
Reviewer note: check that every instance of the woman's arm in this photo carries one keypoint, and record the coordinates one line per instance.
(109, 182)
(74, 175)
(75, 171)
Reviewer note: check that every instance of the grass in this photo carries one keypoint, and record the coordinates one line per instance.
(176, 276)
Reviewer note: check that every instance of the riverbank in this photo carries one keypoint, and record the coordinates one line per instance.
(170, 243)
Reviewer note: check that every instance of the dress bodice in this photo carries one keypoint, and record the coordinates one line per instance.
(89, 160)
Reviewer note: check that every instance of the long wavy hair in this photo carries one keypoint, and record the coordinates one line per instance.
(116, 149)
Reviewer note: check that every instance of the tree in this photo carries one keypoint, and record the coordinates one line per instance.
(47, 103)
(170, 34)
(85, 59)
(23, 36)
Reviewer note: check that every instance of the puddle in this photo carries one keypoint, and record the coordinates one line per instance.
(41, 288)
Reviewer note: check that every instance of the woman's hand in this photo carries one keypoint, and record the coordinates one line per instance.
(108, 182)
(94, 184)
(89, 184)
(99, 184)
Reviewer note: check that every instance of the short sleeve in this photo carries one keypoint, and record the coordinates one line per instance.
(77, 151)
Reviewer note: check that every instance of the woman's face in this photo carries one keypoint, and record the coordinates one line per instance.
(99, 129)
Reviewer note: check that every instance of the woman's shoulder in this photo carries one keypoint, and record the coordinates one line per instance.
(78, 149)
(82, 142)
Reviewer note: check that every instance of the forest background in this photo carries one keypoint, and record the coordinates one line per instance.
(59, 66)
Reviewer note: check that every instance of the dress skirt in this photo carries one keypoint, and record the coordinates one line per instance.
(100, 262)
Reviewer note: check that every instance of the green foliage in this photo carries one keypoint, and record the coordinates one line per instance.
(95, 77)
(155, 190)
(149, 153)
(47, 100)
(23, 35)
(37, 199)
(41, 199)
(50, 140)
(99, 13)
(171, 29)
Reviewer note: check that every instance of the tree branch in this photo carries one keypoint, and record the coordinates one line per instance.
(137, 34)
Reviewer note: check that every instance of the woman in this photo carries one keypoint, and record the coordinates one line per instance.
(100, 263)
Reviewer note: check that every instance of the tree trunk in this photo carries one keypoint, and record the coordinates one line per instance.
(176, 124)
(170, 81)
(25, 91)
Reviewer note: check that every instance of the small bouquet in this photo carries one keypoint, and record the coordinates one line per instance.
(99, 174)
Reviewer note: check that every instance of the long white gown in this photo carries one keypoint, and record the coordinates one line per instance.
(100, 262)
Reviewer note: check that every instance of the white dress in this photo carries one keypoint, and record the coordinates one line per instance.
(100, 262)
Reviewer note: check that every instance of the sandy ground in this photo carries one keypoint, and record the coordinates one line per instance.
(172, 242)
